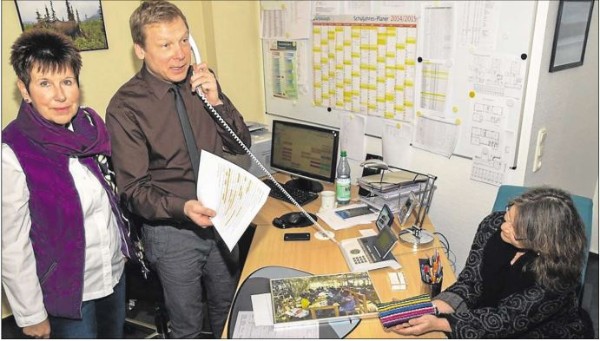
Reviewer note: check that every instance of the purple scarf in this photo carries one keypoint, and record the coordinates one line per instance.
(86, 140)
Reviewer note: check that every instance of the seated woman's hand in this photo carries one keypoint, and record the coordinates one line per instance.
(421, 325)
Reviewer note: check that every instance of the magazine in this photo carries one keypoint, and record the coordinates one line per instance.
(322, 298)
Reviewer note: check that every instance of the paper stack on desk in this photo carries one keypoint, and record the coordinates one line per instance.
(389, 181)
(390, 188)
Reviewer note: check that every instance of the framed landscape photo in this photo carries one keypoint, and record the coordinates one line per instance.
(570, 34)
(81, 20)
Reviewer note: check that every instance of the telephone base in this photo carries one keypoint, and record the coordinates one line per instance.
(373, 266)
(351, 251)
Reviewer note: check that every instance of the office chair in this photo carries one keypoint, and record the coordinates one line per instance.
(582, 204)
(143, 292)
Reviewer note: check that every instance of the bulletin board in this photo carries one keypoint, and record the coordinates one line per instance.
(460, 63)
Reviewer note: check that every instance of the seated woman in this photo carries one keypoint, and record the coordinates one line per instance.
(521, 276)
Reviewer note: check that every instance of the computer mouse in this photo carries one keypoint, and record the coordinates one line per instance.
(296, 219)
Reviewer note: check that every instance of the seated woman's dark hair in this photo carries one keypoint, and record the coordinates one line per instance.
(549, 219)
(48, 50)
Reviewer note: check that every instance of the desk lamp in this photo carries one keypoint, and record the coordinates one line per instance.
(415, 234)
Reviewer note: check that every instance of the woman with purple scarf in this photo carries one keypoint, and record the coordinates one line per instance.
(64, 239)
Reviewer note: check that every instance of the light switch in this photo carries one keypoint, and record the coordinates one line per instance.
(539, 150)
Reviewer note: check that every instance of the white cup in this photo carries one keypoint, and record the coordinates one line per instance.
(327, 201)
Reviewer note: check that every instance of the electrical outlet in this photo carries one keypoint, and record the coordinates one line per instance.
(539, 149)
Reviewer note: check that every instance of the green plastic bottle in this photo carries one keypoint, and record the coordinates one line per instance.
(342, 180)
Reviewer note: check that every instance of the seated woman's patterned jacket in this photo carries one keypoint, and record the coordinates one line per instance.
(531, 313)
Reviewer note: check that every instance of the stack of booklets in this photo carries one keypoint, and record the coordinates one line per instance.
(322, 298)
(398, 312)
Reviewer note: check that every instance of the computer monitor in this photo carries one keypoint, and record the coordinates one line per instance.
(304, 151)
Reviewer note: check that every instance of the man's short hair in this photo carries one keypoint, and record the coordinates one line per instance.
(152, 12)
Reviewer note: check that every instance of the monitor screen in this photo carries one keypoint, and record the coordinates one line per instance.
(305, 151)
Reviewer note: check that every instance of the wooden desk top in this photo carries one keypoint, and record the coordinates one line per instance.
(324, 257)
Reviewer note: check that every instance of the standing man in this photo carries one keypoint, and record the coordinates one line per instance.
(155, 174)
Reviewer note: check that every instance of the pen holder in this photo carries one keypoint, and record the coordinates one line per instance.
(432, 289)
(431, 281)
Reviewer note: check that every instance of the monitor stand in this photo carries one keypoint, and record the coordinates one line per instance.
(305, 185)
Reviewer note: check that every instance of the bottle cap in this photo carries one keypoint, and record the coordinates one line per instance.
(343, 153)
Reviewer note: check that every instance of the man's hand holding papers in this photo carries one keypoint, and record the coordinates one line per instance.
(233, 193)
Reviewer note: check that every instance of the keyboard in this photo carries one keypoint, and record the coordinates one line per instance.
(302, 197)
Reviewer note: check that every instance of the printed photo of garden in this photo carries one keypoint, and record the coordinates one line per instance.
(323, 297)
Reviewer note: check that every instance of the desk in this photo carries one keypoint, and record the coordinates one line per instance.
(324, 257)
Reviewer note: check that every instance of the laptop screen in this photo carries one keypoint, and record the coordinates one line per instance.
(385, 241)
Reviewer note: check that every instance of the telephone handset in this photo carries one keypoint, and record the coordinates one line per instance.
(195, 50)
(209, 107)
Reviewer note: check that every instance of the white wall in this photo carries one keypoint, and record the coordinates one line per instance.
(566, 105)
(594, 246)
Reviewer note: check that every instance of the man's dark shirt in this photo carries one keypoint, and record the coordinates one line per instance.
(153, 169)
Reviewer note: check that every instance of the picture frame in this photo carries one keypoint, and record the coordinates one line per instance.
(80, 20)
(570, 35)
(385, 218)
(407, 208)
